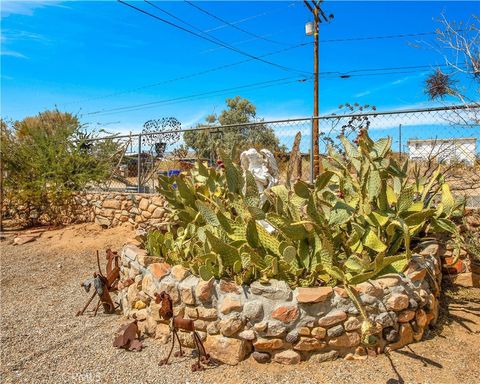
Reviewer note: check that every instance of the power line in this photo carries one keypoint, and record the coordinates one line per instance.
(353, 71)
(238, 42)
(178, 100)
(329, 75)
(257, 85)
(214, 69)
(214, 41)
(397, 36)
(362, 38)
(386, 71)
(345, 76)
(181, 20)
(189, 76)
(199, 29)
(231, 24)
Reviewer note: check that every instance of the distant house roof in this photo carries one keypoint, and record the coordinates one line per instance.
(432, 141)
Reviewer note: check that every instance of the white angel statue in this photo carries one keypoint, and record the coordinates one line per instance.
(264, 169)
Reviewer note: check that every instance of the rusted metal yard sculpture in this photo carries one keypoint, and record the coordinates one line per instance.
(102, 284)
(166, 313)
(128, 337)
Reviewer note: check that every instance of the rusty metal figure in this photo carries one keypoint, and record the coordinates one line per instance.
(166, 313)
(128, 337)
(113, 268)
(103, 284)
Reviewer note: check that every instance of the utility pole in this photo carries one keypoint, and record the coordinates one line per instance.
(310, 29)
(400, 140)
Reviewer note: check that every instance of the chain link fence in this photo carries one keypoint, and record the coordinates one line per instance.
(143, 157)
(446, 136)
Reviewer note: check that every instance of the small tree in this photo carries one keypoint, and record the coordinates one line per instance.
(46, 159)
(206, 142)
(459, 43)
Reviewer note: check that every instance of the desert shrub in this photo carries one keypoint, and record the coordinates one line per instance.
(46, 159)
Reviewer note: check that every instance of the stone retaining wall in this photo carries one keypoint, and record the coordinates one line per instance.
(277, 323)
(109, 209)
(113, 209)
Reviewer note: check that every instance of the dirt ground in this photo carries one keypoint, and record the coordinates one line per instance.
(42, 341)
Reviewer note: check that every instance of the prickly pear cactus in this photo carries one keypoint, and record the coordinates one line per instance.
(359, 219)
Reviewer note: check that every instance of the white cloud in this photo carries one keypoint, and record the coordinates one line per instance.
(361, 94)
(13, 54)
(194, 120)
(387, 85)
(26, 8)
(11, 35)
(400, 81)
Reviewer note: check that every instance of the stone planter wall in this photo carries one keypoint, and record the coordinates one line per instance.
(107, 209)
(277, 323)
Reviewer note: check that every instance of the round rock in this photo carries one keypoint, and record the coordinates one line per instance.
(261, 357)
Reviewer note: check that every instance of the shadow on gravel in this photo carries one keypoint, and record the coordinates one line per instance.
(425, 360)
(399, 379)
(454, 299)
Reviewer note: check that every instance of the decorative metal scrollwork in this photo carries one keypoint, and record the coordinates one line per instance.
(160, 133)
(165, 130)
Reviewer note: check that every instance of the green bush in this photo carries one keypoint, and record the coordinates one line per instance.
(47, 158)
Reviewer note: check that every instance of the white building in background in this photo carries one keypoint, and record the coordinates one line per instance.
(458, 150)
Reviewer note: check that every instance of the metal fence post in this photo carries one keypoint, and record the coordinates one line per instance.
(139, 162)
(312, 155)
(400, 140)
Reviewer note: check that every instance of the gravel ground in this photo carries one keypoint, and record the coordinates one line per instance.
(43, 342)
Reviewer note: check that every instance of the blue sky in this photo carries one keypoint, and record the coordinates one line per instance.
(86, 57)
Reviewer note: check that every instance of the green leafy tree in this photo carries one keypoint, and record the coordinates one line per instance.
(47, 158)
(207, 142)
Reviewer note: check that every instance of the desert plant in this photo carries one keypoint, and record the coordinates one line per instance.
(47, 158)
(357, 221)
(216, 211)
(158, 243)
